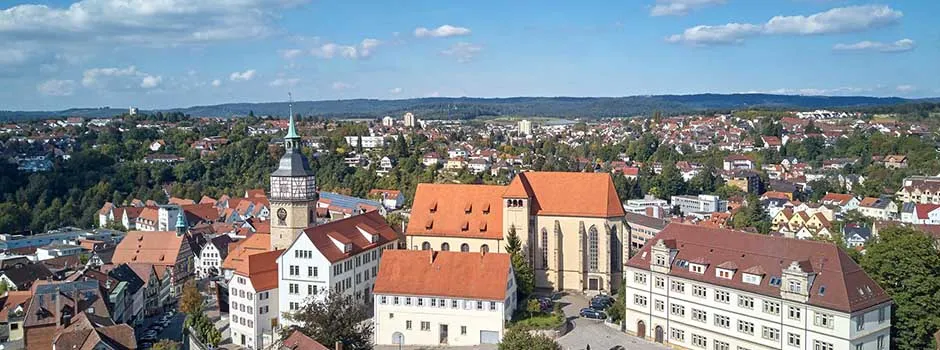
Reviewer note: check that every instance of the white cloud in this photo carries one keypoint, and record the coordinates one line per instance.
(92, 77)
(680, 7)
(433, 94)
(395, 91)
(150, 81)
(12, 56)
(290, 54)
(56, 87)
(463, 51)
(443, 31)
(330, 50)
(845, 90)
(875, 46)
(837, 20)
(289, 82)
(731, 33)
(216, 83)
(242, 76)
(906, 88)
(338, 85)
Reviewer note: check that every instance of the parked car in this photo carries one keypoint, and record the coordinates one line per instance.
(599, 305)
(557, 296)
(603, 298)
(546, 303)
(591, 313)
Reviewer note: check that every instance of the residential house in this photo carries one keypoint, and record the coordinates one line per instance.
(83, 333)
(166, 250)
(135, 290)
(253, 298)
(441, 298)
(699, 204)
(845, 202)
(895, 161)
(737, 162)
(920, 189)
(54, 306)
(695, 287)
(642, 228)
(391, 199)
(212, 255)
(22, 276)
(856, 236)
(341, 255)
(878, 208)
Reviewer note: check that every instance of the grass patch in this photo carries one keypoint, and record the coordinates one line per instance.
(539, 321)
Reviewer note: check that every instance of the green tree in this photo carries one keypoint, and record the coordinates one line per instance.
(906, 263)
(336, 318)
(519, 339)
(533, 307)
(525, 276)
(191, 301)
(166, 344)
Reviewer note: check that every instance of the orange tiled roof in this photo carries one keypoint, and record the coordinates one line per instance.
(567, 193)
(352, 231)
(181, 201)
(447, 274)
(256, 243)
(261, 269)
(457, 211)
(156, 247)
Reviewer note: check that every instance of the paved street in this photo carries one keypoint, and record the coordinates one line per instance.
(173, 331)
(596, 333)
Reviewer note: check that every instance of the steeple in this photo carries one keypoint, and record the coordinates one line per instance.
(291, 130)
(180, 223)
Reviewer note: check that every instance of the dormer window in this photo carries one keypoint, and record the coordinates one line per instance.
(751, 279)
(795, 286)
(660, 260)
(723, 273)
(433, 207)
(468, 208)
(465, 226)
(347, 248)
(697, 268)
(483, 226)
(486, 208)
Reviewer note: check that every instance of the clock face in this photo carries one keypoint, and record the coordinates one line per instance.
(282, 214)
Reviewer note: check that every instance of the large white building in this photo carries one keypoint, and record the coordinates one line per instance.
(704, 288)
(342, 255)
(409, 120)
(367, 141)
(388, 121)
(525, 127)
(702, 203)
(209, 259)
(443, 298)
(253, 293)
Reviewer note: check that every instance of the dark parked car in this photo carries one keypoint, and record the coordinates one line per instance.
(603, 298)
(591, 313)
(599, 305)
(546, 303)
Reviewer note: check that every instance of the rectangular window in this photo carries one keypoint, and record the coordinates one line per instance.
(722, 321)
(793, 339)
(433, 302)
(676, 286)
(699, 315)
(860, 322)
(699, 341)
(420, 301)
(660, 306)
(677, 310)
(823, 320)
(771, 333)
(746, 327)
(441, 303)
(720, 345)
(677, 334)
(772, 307)
(722, 296)
(454, 304)
(794, 313)
(881, 315)
(639, 278)
(408, 301)
(698, 291)
(821, 345)
(881, 342)
(660, 282)
(639, 300)
(463, 330)
(294, 270)
(479, 305)
(425, 326)
(310, 270)
(408, 325)
(746, 302)
(395, 300)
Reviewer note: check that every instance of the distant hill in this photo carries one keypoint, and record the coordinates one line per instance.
(468, 108)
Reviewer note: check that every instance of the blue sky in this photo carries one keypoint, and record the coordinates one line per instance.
(174, 53)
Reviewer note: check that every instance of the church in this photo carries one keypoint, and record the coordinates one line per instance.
(570, 225)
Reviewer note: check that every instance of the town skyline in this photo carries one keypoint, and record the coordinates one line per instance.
(177, 54)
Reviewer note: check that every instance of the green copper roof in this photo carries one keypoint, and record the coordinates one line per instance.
(291, 130)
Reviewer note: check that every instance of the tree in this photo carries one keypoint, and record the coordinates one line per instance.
(191, 301)
(533, 307)
(336, 318)
(519, 339)
(525, 276)
(3, 287)
(166, 344)
(906, 264)
(616, 311)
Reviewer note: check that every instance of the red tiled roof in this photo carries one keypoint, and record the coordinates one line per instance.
(200, 212)
(299, 341)
(442, 210)
(353, 231)
(924, 209)
(181, 201)
(239, 252)
(155, 247)
(567, 193)
(847, 287)
(447, 274)
(261, 269)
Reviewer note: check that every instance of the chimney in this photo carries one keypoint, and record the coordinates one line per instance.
(339, 345)
(433, 255)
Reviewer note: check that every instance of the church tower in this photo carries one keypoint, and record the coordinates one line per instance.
(293, 193)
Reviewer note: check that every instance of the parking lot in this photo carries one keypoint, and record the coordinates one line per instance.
(596, 333)
(171, 329)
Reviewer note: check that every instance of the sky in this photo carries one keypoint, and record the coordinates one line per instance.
(58, 54)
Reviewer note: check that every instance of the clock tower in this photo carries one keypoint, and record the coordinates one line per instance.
(293, 193)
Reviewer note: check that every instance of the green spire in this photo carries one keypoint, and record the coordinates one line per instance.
(180, 222)
(291, 130)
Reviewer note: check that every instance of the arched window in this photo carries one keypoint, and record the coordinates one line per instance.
(465, 247)
(544, 246)
(426, 246)
(616, 249)
(592, 248)
(445, 247)
(485, 248)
